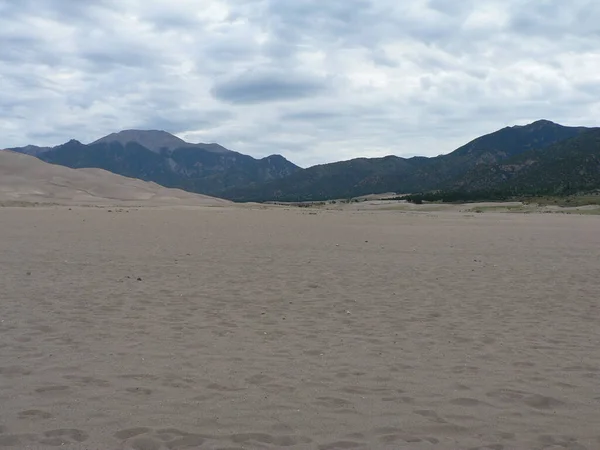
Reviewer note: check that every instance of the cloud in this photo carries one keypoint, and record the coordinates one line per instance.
(314, 80)
(258, 87)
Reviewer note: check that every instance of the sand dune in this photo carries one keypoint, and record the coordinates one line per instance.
(169, 329)
(26, 179)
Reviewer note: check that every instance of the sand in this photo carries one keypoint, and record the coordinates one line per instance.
(26, 180)
(244, 328)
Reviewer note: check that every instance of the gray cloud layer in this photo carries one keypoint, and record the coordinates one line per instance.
(261, 87)
(314, 80)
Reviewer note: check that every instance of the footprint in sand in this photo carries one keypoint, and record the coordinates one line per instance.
(259, 379)
(34, 414)
(87, 381)
(263, 438)
(489, 447)
(467, 401)
(567, 442)
(543, 402)
(222, 388)
(54, 389)
(186, 442)
(342, 445)
(128, 433)
(142, 438)
(143, 443)
(507, 395)
(64, 436)
(14, 371)
(406, 438)
(139, 391)
(533, 400)
(138, 377)
(333, 402)
(432, 415)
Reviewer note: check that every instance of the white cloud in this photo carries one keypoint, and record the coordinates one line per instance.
(314, 80)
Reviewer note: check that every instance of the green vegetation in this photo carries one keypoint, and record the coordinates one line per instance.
(540, 159)
(531, 208)
(456, 197)
(572, 200)
(502, 208)
(568, 201)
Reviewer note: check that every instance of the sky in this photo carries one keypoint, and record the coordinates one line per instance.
(314, 80)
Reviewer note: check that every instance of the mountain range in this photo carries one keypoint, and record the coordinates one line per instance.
(158, 156)
(542, 156)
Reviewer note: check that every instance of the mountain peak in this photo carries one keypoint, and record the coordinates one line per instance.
(544, 122)
(154, 140)
(538, 124)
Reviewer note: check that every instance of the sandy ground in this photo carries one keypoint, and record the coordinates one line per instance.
(243, 328)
